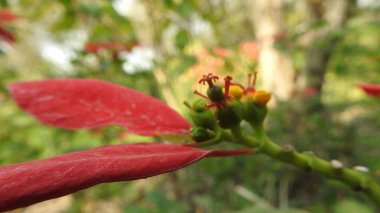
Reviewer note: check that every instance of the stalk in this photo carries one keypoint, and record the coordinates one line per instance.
(356, 180)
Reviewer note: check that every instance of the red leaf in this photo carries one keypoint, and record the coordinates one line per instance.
(89, 103)
(371, 89)
(31, 182)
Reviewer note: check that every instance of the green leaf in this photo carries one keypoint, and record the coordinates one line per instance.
(90, 10)
(182, 39)
(66, 22)
(185, 8)
(169, 3)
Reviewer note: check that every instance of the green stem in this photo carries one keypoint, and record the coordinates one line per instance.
(222, 135)
(358, 181)
(243, 138)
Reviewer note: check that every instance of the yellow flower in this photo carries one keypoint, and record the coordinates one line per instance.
(262, 97)
(235, 91)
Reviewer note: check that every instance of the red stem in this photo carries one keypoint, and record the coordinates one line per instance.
(200, 94)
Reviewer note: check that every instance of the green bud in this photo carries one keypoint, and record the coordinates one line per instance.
(254, 113)
(228, 116)
(200, 134)
(199, 105)
(201, 116)
(215, 93)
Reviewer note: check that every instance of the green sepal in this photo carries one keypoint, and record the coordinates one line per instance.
(253, 113)
(215, 93)
(199, 105)
(229, 115)
(201, 116)
(200, 134)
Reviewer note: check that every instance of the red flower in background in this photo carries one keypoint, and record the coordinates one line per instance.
(222, 52)
(95, 47)
(6, 35)
(5, 17)
(310, 92)
(206, 63)
(251, 49)
(371, 89)
(80, 104)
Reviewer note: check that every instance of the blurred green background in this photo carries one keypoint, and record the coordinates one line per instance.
(310, 54)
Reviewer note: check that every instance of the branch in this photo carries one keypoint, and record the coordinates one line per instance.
(356, 180)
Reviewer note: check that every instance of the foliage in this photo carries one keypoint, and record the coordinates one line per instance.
(183, 37)
(31, 182)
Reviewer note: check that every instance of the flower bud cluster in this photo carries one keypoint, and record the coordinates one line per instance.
(224, 107)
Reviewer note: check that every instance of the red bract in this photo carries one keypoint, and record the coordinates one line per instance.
(31, 182)
(371, 89)
(89, 103)
(80, 103)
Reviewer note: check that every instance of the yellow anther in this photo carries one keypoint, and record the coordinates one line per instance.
(262, 97)
(235, 91)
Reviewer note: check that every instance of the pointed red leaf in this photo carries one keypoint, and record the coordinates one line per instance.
(89, 103)
(371, 89)
(31, 182)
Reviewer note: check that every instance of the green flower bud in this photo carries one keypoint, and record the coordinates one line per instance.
(254, 113)
(216, 94)
(199, 105)
(201, 116)
(200, 134)
(228, 116)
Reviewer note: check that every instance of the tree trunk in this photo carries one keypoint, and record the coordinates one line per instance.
(320, 43)
(275, 66)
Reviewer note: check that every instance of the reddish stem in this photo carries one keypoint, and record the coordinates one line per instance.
(254, 79)
(227, 83)
(237, 84)
(200, 94)
(251, 85)
(249, 79)
(214, 104)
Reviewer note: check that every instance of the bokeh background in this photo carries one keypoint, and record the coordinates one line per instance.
(309, 53)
